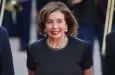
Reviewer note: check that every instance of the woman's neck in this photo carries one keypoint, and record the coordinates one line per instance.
(57, 41)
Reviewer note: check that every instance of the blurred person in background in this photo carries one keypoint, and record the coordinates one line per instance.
(103, 9)
(17, 21)
(59, 52)
(23, 24)
(89, 19)
(6, 61)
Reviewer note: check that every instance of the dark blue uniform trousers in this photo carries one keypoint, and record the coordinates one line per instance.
(23, 23)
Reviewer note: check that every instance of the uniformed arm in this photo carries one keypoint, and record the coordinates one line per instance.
(7, 61)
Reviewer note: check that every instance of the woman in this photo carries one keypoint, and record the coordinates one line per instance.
(59, 53)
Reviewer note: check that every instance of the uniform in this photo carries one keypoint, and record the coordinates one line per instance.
(6, 61)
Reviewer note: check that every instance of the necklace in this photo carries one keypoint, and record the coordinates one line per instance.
(58, 46)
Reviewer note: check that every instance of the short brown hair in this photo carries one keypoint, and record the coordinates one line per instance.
(54, 6)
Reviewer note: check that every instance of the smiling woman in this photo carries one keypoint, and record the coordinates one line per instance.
(60, 52)
(65, 13)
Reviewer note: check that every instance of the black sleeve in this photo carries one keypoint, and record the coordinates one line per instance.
(30, 61)
(7, 61)
(87, 61)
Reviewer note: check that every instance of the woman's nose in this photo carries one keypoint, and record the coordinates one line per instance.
(55, 25)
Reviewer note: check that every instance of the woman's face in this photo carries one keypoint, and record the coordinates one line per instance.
(55, 25)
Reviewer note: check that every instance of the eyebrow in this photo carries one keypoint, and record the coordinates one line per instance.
(56, 19)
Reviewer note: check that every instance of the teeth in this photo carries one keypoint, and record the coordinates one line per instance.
(55, 32)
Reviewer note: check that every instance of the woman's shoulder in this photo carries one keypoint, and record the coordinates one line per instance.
(79, 43)
(36, 48)
(77, 40)
(37, 44)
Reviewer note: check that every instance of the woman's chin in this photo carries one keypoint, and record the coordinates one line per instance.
(56, 36)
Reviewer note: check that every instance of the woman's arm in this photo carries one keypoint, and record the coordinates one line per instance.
(87, 71)
(30, 72)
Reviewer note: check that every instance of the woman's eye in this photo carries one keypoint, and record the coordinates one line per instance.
(59, 21)
(49, 22)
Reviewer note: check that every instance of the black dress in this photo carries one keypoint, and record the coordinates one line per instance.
(70, 60)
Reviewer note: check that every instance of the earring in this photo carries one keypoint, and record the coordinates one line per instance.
(66, 30)
(45, 34)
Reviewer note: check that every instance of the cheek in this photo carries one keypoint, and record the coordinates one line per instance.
(48, 30)
(63, 28)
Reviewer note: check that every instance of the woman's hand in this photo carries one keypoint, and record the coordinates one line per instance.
(87, 71)
(30, 72)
